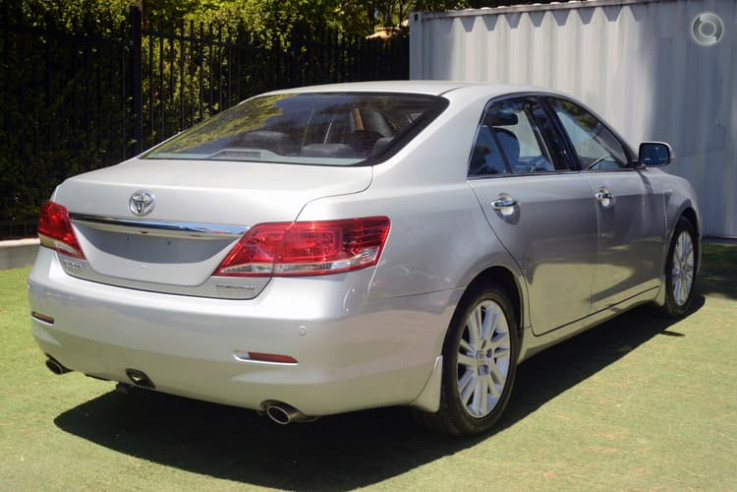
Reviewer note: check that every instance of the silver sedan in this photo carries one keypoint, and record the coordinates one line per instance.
(328, 249)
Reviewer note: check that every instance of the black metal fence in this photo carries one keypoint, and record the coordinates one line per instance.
(82, 97)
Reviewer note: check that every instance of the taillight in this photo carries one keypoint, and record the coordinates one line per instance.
(55, 230)
(307, 248)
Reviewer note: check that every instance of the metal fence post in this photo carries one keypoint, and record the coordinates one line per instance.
(136, 89)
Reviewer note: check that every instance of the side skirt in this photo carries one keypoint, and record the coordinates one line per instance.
(532, 344)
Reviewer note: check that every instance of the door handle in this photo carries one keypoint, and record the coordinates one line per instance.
(503, 203)
(604, 196)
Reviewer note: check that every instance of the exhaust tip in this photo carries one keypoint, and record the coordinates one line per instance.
(281, 414)
(139, 378)
(55, 366)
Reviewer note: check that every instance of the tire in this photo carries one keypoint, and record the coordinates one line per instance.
(479, 364)
(680, 270)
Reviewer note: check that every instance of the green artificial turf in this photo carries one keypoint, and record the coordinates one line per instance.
(637, 403)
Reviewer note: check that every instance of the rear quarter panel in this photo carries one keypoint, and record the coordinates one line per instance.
(439, 238)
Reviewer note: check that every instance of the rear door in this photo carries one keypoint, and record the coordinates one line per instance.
(630, 213)
(541, 211)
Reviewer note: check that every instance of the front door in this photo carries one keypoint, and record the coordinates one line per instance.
(629, 211)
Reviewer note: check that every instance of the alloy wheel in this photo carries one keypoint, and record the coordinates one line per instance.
(683, 268)
(483, 359)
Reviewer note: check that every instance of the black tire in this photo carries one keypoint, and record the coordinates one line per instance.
(493, 364)
(680, 270)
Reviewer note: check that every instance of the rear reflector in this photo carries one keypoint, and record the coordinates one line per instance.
(281, 359)
(287, 249)
(42, 317)
(264, 357)
(55, 230)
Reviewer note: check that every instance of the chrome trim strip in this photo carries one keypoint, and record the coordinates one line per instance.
(214, 287)
(161, 227)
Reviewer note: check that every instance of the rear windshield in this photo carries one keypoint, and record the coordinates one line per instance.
(337, 129)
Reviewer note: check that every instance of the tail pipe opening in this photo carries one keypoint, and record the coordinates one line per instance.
(140, 378)
(55, 366)
(284, 414)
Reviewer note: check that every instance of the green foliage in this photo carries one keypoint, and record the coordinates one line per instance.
(172, 11)
(74, 15)
(275, 17)
(61, 115)
(355, 17)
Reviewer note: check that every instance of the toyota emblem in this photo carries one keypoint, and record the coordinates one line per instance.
(142, 203)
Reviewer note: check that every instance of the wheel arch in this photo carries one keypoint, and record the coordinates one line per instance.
(429, 398)
(505, 279)
(434, 410)
(690, 214)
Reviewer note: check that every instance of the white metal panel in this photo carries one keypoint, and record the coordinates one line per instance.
(636, 62)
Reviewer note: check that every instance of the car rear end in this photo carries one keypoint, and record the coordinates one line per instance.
(188, 270)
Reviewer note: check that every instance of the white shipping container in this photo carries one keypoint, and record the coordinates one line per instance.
(655, 69)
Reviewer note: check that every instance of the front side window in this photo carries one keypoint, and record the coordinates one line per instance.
(338, 129)
(597, 148)
(514, 137)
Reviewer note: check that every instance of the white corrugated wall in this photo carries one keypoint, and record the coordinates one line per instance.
(636, 62)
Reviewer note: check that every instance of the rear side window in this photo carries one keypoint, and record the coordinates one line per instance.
(486, 158)
(337, 129)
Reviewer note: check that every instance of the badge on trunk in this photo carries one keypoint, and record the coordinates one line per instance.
(142, 203)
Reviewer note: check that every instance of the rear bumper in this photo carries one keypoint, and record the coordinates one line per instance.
(353, 351)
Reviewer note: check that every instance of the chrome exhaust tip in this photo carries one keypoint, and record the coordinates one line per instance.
(284, 414)
(281, 413)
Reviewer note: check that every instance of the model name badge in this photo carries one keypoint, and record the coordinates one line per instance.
(235, 287)
(71, 264)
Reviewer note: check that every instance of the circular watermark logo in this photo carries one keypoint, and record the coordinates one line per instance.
(707, 29)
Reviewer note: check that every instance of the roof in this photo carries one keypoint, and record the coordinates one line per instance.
(429, 87)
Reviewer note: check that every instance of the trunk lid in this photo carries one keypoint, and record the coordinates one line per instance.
(200, 210)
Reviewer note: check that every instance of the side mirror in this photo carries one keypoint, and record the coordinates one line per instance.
(654, 154)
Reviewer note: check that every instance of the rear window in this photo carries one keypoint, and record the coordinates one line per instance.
(337, 129)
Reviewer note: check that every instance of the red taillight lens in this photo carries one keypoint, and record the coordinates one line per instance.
(307, 248)
(254, 254)
(55, 230)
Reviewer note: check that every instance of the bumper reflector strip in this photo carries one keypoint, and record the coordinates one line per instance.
(264, 357)
(42, 317)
